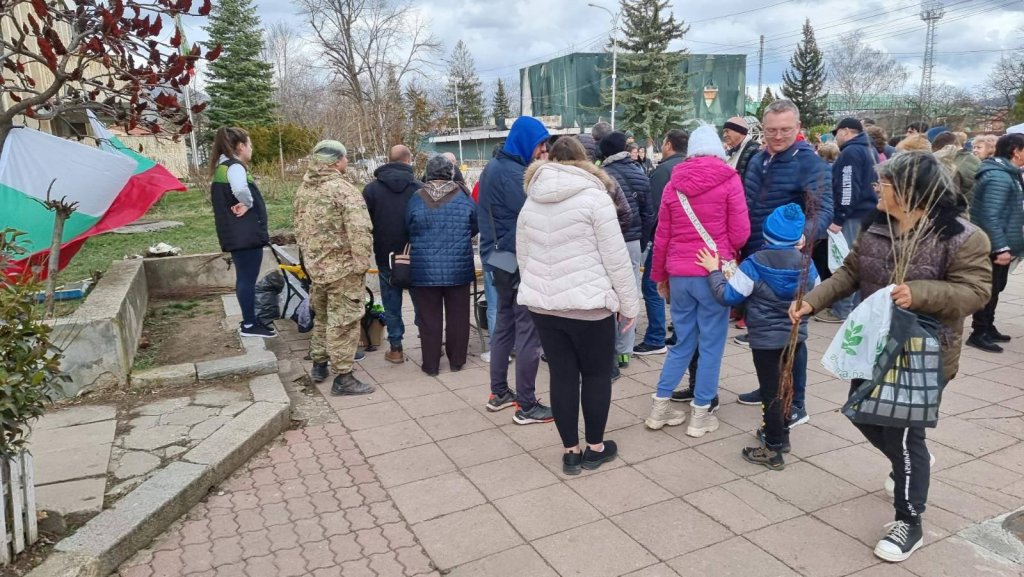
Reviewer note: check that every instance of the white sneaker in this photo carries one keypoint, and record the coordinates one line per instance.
(485, 356)
(890, 483)
(663, 414)
(702, 421)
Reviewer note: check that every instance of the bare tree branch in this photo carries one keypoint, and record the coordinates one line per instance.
(857, 73)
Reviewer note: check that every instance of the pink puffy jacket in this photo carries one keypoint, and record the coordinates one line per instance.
(716, 195)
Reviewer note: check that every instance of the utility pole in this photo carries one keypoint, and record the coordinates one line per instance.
(760, 68)
(615, 54)
(931, 13)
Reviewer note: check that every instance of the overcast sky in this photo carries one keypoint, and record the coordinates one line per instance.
(505, 36)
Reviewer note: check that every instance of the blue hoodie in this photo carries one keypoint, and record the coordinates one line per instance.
(768, 281)
(501, 187)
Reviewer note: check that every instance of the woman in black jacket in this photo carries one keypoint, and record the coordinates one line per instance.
(241, 219)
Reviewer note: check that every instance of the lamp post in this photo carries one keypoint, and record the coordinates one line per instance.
(615, 52)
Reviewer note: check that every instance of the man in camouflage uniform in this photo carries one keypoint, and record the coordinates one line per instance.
(333, 230)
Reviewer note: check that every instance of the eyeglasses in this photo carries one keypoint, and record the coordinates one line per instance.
(780, 131)
(878, 185)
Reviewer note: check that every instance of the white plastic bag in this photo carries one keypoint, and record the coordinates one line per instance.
(837, 250)
(861, 338)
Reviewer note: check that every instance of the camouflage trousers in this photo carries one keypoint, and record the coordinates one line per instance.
(339, 308)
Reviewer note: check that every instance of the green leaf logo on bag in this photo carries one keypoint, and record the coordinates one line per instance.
(836, 253)
(852, 338)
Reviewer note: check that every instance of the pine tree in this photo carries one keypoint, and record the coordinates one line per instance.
(652, 94)
(499, 106)
(462, 79)
(240, 82)
(767, 99)
(1017, 112)
(420, 116)
(804, 83)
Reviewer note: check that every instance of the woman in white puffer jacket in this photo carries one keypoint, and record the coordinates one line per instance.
(575, 277)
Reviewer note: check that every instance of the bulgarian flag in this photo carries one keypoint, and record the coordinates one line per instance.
(112, 184)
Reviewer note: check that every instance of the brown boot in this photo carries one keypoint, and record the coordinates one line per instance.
(395, 355)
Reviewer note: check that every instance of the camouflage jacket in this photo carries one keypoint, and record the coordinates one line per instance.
(332, 226)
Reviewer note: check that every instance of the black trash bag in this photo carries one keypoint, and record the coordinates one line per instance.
(268, 297)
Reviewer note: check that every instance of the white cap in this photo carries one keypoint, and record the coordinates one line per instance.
(1016, 129)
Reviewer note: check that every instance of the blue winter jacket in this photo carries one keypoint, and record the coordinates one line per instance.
(792, 175)
(853, 177)
(998, 206)
(768, 282)
(637, 188)
(441, 234)
(501, 187)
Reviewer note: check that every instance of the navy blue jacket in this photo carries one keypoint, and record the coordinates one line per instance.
(768, 282)
(637, 188)
(441, 234)
(501, 187)
(853, 175)
(789, 176)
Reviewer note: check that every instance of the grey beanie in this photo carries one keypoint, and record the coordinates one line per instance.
(440, 168)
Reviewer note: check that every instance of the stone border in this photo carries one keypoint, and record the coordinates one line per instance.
(113, 536)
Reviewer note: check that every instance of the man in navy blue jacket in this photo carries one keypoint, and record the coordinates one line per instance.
(501, 198)
(853, 181)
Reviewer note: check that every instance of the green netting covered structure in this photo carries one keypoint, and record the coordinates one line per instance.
(570, 86)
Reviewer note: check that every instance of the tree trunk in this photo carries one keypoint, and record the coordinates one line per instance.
(59, 216)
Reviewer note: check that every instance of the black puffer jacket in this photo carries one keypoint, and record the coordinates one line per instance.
(637, 189)
(590, 145)
(387, 198)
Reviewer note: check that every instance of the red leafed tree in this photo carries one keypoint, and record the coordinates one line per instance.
(59, 56)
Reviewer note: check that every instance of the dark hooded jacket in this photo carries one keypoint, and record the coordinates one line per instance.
(386, 200)
(853, 177)
(501, 187)
(637, 188)
(590, 145)
(998, 206)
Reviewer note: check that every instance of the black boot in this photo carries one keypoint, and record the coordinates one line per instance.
(997, 336)
(319, 372)
(348, 384)
(984, 342)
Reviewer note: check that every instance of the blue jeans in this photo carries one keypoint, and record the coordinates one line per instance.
(701, 324)
(655, 305)
(247, 272)
(391, 298)
(844, 307)
(491, 294)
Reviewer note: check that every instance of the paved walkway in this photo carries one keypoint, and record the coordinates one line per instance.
(419, 479)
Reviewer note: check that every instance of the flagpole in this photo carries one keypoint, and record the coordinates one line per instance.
(188, 96)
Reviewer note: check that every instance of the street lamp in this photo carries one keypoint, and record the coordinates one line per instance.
(615, 52)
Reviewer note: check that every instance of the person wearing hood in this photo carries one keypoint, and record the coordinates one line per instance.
(786, 171)
(332, 228)
(501, 198)
(998, 209)
(637, 188)
(575, 281)
(387, 198)
(740, 144)
(853, 196)
(703, 207)
(963, 165)
(441, 219)
(768, 281)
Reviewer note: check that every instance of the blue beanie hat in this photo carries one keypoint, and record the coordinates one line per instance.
(935, 131)
(785, 225)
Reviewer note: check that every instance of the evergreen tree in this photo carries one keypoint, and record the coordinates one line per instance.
(652, 93)
(463, 80)
(420, 119)
(767, 99)
(804, 83)
(240, 82)
(499, 106)
(1017, 112)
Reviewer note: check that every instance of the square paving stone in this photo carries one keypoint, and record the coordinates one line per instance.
(813, 548)
(470, 377)
(433, 404)
(1011, 457)
(532, 437)
(671, 528)
(955, 557)
(736, 557)
(414, 388)
(430, 498)
(864, 519)
(509, 476)
(371, 416)
(685, 471)
(659, 570)
(388, 438)
(480, 447)
(808, 440)
(72, 437)
(726, 452)
(411, 464)
(884, 570)
(985, 390)
(960, 502)
(945, 457)
(638, 443)
(862, 465)
(454, 424)
(68, 464)
(465, 536)
(618, 490)
(807, 486)
(71, 497)
(75, 416)
(547, 510)
(756, 508)
(583, 551)
(837, 424)
(519, 562)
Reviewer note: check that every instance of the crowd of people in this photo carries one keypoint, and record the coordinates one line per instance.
(574, 232)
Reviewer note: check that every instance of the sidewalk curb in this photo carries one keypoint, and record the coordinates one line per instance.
(113, 536)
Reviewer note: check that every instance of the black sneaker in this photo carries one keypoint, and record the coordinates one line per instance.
(644, 349)
(593, 459)
(759, 433)
(537, 414)
(764, 456)
(983, 342)
(742, 340)
(571, 463)
(751, 398)
(348, 384)
(319, 372)
(683, 395)
(900, 542)
(256, 330)
(503, 401)
(623, 360)
(671, 340)
(998, 337)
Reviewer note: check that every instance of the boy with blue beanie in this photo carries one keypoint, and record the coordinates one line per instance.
(768, 281)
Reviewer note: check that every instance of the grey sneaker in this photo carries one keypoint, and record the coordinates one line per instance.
(503, 401)
(702, 421)
(537, 414)
(827, 316)
(663, 414)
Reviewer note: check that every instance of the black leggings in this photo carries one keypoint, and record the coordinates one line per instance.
(767, 363)
(247, 272)
(578, 353)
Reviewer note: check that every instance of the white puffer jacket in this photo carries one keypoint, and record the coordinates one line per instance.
(569, 246)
